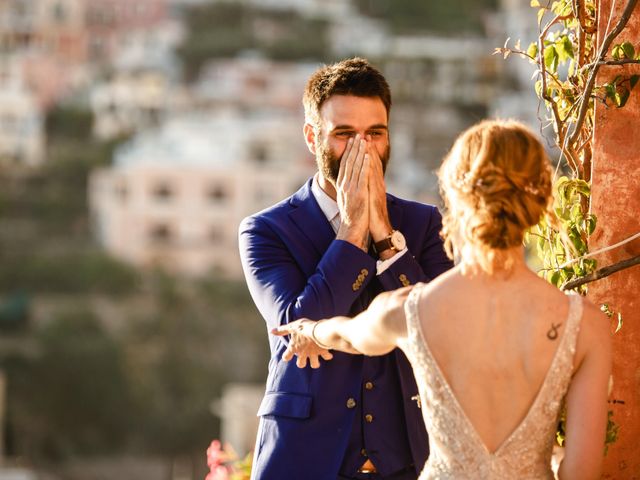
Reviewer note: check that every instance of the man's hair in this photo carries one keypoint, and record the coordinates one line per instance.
(353, 76)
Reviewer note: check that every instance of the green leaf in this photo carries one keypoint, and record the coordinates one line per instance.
(582, 187)
(540, 245)
(532, 50)
(610, 90)
(535, 3)
(561, 181)
(633, 80)
(540, 15)
(590, 264)
(561, 8)
(576, 212)
(621, 97)
(628, 50)
(551, 58)
(617, 52)
(564, 48)
(538, 88)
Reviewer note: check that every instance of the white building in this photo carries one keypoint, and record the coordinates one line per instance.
(331, 9)
(21, 123)
(131, 101)
(254, 81)
(175, 196)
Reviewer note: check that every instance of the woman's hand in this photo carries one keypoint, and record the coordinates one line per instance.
(302, 343)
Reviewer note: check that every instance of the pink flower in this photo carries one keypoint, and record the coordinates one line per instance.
(215, 456)
(218, 473)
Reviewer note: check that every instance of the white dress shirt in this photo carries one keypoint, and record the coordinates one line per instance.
(330, 209)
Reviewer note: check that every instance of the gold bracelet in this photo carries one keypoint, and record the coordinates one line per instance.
(313, 336)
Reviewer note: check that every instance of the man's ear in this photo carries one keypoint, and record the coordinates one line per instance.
(310, 137)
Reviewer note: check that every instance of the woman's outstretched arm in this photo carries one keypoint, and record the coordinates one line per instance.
(375, 331)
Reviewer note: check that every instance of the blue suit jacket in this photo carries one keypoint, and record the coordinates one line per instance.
(296, 268)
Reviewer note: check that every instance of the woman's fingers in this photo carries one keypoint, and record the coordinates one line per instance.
(281, 331)
(301, 362)
(300, 346)
(314, 361)
(326, 355)
(288, 354)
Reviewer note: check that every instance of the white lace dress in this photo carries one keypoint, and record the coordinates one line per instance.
(456, 449)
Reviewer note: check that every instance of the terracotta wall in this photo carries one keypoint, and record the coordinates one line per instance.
(616, 202)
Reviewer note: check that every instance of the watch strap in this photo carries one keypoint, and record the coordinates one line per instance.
(384, 244)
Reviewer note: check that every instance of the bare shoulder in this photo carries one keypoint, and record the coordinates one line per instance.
(594, 321)
(595, 330)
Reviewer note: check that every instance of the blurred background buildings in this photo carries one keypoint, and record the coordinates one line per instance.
(134, 137)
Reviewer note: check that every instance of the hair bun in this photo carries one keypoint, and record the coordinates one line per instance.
(496, 183)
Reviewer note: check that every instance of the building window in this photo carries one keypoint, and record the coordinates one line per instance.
(216, 235)
(59, 14)
(163, 192)
(122, 192)
(20, 10)
(218, 194)
(160, 234)
(259, 154)
(97, 47)
(139, 9)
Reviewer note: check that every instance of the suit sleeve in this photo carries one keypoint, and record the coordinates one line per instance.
(423, 262)
(281, 290)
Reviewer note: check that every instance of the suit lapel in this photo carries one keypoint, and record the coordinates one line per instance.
(311, 222)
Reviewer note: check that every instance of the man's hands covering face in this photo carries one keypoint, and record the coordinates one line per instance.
(353, 193)
(361, 194)
(379, 225)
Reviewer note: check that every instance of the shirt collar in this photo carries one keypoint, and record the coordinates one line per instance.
(327, 204)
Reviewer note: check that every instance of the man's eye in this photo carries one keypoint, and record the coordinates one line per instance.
(376, 134)
(345, 134)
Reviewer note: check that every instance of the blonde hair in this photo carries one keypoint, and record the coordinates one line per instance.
(496, 183)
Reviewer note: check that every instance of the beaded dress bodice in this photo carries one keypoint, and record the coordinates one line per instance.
(456, 449)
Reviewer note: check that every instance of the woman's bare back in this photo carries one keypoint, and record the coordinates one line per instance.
(494, 340)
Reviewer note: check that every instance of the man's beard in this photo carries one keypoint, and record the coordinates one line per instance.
(329, 163)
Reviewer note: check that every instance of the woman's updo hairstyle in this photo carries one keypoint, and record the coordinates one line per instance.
(496, 183)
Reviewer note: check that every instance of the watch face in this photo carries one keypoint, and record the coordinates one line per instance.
(398, 241)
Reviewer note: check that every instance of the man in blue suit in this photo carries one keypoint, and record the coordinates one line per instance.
(329, 250)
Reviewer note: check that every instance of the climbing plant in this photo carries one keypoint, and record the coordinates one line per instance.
(567, 57)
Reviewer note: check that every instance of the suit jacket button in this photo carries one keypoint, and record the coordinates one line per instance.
(364, 272)
(368, 385)
(351, 403)
(355, 287)
(368, 417)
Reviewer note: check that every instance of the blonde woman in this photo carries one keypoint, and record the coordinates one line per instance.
(494, 348)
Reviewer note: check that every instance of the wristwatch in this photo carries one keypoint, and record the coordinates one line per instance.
(394, 241)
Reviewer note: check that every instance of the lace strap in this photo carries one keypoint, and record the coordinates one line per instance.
(414, 332)
(411, 312)
(574, 318)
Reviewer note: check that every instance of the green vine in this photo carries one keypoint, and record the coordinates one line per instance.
(567, 59)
